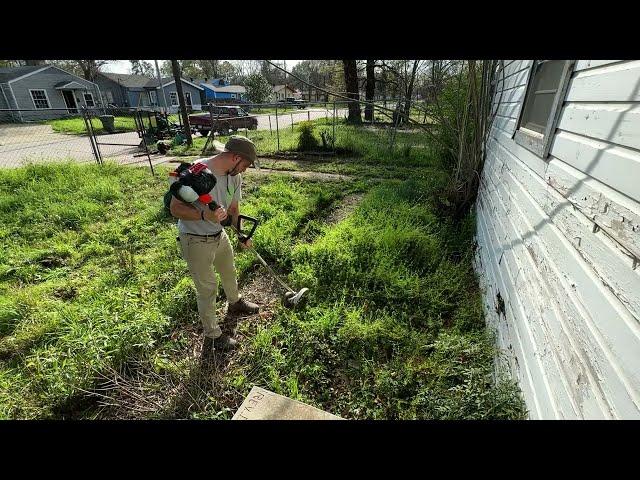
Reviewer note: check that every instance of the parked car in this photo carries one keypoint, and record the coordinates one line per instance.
(299, 103)
(225, 118)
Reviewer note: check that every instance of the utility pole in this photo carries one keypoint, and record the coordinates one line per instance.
(185, 117)
(284, 66)
(164, 97)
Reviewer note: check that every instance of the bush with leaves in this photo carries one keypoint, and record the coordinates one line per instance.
(258, 88)
(307, 140)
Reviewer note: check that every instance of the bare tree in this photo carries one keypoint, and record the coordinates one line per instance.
(351, 83)
(183, 108)
(370, 89)
(409, 89)
(90, 68)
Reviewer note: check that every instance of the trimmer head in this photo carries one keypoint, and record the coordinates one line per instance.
(291, 299)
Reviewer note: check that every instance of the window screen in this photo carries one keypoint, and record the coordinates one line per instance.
(545, 83)
(88, 100)
(40, 99)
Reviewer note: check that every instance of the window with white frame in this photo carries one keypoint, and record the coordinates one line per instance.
(187, 97)
(153, 97)
(174, 98)
(40, 99)
(543, 101)
(109, 95)
(88, 99)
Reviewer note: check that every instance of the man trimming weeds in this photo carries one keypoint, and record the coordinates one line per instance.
(204, 243)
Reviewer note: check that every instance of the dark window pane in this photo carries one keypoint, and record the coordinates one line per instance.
(548, 75)
(537, 111)
(544, 86)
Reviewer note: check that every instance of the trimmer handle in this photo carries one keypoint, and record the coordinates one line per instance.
(227, 223)
(254, 221)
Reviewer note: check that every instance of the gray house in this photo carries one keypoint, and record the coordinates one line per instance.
(192, 94)
(136, 91)
(44, 92)
(124, 90)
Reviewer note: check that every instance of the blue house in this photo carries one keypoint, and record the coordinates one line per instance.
(218, 88)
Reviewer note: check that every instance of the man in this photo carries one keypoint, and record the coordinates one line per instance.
(205, 244)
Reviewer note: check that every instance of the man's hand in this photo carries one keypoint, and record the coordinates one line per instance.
(217, 215)
(246, 244)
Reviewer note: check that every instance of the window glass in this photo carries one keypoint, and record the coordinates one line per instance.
(88, 100)
(40, 99)
(539, 102)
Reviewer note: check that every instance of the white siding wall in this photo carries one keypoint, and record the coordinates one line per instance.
(559, 239)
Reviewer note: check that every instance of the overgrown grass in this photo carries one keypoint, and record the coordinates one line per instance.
(372, 146)
(395, 326)
(92, 281)
(91, 277)
(76, 125)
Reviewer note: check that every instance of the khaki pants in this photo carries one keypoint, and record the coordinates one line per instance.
(202, 255)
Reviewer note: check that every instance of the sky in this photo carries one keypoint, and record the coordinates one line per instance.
(124, 66)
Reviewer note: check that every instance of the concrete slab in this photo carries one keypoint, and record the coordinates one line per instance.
(262, 404)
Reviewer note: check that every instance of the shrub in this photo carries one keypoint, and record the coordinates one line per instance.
(307, 141)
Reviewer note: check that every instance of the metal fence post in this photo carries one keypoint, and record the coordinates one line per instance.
(144, 140)
(333, 141)
(90, 135)
(277, 128)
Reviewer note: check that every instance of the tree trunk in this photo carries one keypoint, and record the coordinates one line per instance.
(409, 93)
(351, 83)
(370, 90)
(185, 117)
(384, 87)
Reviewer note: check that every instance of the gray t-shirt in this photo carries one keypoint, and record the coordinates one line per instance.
(227, 190)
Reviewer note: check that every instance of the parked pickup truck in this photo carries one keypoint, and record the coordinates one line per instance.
(297, 102)
(225, 118)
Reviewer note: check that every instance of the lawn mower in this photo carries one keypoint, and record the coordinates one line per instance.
(158, 131)
(193, 183)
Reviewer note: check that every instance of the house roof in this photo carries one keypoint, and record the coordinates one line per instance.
(277, 88)
(131, 81)
(169, 80)
(10, 73)
(73, 85)
(227, 89)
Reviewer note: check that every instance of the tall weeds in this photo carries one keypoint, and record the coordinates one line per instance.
(463, 111)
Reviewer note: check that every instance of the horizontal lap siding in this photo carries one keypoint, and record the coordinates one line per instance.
(555, 237)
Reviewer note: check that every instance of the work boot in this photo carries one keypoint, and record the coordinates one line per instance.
(224, 343)
(243, 307)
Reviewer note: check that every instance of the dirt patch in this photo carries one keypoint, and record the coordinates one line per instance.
(139, 391)
(310, 175)
(262, 289)
(344, 207)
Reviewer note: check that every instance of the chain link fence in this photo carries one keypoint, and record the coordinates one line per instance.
(148, 136)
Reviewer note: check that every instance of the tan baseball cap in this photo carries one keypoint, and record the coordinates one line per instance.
(244, 147)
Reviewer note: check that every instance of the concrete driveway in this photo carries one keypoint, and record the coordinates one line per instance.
(23, 143)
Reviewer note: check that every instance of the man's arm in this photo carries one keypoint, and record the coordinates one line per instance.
(185, 211)
(234, 211)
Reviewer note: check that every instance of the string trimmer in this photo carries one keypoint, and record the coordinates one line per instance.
(194, 184)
